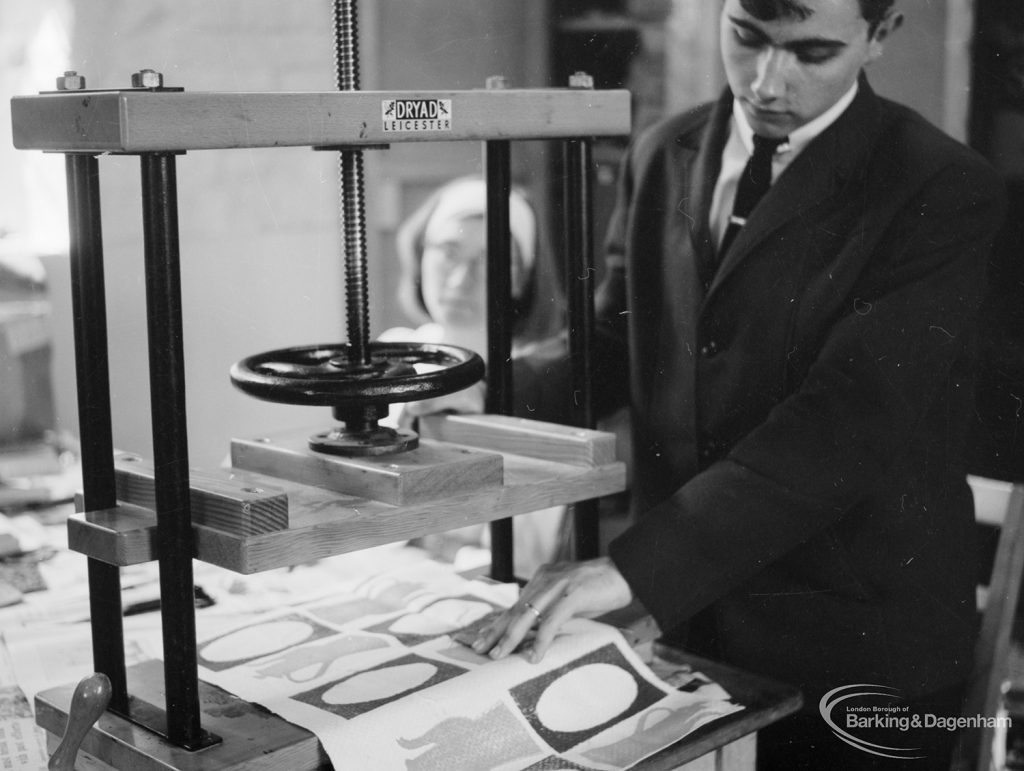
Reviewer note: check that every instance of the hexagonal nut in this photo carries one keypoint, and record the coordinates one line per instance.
(494, 82)
(147, 79)
(581, 80)
(70, 81)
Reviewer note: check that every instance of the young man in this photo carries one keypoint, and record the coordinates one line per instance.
(800, 380)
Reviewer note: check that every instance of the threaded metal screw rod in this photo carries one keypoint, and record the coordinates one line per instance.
(353, 208)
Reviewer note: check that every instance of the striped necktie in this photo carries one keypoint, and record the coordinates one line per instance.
(753, 184)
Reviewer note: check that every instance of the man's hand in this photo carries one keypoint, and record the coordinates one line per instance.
(557, 593)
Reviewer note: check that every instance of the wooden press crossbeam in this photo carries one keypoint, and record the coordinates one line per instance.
(137, 121)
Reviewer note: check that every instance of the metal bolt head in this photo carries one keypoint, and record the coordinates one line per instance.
(496, 82)
(581, 80)
(70, 81)
(147, 79)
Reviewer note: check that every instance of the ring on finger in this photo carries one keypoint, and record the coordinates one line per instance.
(533, 610)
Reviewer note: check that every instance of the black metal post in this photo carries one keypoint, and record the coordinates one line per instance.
(170, 447)
(88, 299)
(497, 163)
(579, 261)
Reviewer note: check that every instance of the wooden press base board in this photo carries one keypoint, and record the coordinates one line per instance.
(543, 465)
(253, 739)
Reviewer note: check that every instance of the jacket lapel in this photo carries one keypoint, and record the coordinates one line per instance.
(816, 175)
(700, 160)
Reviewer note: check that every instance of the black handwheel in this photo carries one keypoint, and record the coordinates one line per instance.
(358, 392)
(325, 375)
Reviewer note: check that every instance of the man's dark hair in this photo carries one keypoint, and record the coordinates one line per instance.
(873, 11)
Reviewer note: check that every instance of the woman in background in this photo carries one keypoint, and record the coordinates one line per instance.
(442, 248)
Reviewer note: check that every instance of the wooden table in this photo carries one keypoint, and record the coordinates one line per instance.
(729, 743)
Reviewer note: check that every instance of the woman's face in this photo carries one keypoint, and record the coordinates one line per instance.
(454, 271)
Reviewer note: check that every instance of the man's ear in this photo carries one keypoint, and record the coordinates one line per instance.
(887, 26)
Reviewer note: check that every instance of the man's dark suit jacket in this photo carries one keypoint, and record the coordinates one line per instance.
(799, 423)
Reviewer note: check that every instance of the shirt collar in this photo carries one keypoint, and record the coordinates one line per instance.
(802, 136)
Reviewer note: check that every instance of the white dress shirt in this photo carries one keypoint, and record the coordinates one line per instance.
(740, 146)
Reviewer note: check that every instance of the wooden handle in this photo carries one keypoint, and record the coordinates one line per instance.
(91, 697)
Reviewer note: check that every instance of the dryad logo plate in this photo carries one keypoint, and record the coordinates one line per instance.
(416, 115)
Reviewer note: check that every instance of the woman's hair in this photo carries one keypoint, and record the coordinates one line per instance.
(539, 309)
